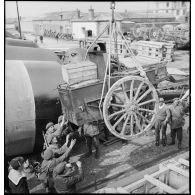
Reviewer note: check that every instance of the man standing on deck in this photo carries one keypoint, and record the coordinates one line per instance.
(178, 110)
(162, 119)
(90, 131)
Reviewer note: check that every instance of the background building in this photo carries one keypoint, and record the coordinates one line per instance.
(55, 22)
(92, 23)
(179, 9)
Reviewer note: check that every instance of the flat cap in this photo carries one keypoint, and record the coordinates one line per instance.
(17, 162)
(49, 125)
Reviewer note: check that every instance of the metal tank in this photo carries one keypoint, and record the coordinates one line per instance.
(31, 97)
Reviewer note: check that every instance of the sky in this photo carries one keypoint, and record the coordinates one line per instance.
(37, 8)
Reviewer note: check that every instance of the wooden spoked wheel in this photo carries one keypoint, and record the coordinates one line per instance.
(139, 30)
(156, 34)
(130, 107)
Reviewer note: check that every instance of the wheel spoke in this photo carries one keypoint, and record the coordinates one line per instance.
(125, 94)
(143, 95)
(117, 105)
(137, 122)
(147, 110)
(131, 124)
(119, 120)
(124, 125)
(143, 117)
(131, 90)
(147, 102)
(116, 113)
(138, 90)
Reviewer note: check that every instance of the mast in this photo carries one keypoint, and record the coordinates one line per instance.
(18, 20)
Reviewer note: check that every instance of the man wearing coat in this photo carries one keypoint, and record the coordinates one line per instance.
(162, 120)
(178, 110)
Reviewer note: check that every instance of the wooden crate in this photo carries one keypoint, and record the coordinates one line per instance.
(77, 72)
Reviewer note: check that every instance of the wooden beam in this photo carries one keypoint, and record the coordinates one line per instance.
(141, 182)
(159, 184)
(184, 162)
(179, 170)
(183, 189)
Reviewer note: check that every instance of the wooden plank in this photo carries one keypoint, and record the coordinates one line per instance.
(183, 189)
(184, 162)
(179, 170)
(141, 182)
(159, 184)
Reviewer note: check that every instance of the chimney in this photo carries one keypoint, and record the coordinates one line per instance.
(78, 13)
(91, 13)
(61, 16)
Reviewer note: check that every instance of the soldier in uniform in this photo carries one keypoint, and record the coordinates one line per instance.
(178, 110)
(54, 131)
(49, 162)
(162, 119)
(66, 176)
(90, 131)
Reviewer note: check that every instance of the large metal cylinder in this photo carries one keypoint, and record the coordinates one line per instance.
(31, 97)
(19, 109)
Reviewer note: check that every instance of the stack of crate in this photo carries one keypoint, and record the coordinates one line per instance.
(157, 50)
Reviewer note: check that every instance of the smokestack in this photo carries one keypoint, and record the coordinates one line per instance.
(78, 13)
(91, 13)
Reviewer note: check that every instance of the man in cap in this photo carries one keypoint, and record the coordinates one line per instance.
(17, 178)
(178, 110)
(53, 132)
(90, 131)
(49, 162)
(66, 176)
(162, 119)
(68, 129)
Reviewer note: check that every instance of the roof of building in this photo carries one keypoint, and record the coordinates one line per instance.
(98, 16)
(132, 15)
(67, 15)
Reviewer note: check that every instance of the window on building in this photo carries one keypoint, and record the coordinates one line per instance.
(184, 11)
(167, 11)
(89, 33)
(178, 12)
(183, 3)
(167, 4)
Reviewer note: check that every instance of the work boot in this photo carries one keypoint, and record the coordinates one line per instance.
(164, 142)
(97, 154)
(157, 143)
(179, 146)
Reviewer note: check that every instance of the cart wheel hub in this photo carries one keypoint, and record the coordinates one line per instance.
(132, 106)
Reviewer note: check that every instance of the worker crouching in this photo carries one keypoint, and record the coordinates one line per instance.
(66, 176)
(50, 161)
